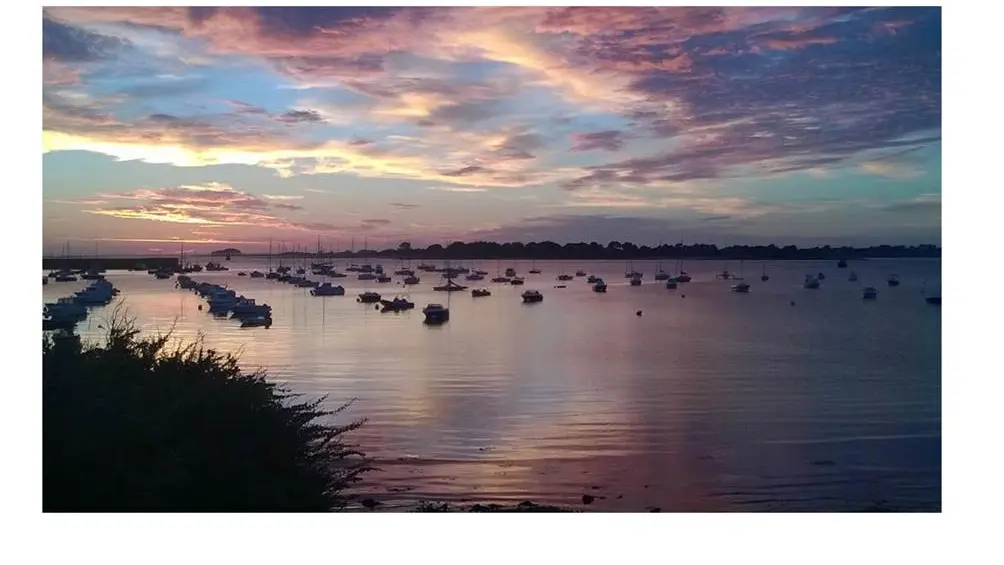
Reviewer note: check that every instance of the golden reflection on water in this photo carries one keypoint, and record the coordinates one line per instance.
(709, 400)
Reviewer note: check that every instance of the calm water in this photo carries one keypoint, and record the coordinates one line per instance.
(709, 401)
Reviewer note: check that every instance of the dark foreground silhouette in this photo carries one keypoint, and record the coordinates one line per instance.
(131, 425)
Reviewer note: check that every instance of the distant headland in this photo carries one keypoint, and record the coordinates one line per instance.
(225, 252)
(615, 250)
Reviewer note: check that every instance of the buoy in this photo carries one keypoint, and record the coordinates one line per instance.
(638, 313)
(200, 307)
(792, 302)
(683, 296)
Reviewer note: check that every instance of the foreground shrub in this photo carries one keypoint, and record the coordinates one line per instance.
(130, 425)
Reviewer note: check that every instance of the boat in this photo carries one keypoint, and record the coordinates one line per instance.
(853, 277)
(516, 281)
(893, 280)
(592, 279)
(45, 280)
(580, 273)
(741, 287)
(842, 264)
(54, 324)
(257, 275)
(671, 283)
(820, 276)
(256, 321)
(163, 275)
(934, 299)
(810, 282)
(480, 292)
(475, 277)
(564, 277)
(450, 286)
(326, 289)
(764, 276)
(368, 297)
(411, 279)
(636, 280)
(533, 268)
(366, 276)
(599, 285)
(210, 266)
(436, 314)
(92, 275)
(500, 279)
(869, 293)
(65, 277)
(304, 283)
(510, 272)
(661, 275)
(383, 278)
(682, 275)
(242, 274)
(396, 305)
(532, 296)
(724, 275)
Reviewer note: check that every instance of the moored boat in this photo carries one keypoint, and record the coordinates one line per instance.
(436, 314)
(531, 296)
(368, 297)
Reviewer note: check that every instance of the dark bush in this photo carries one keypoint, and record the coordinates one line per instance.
(131, 425)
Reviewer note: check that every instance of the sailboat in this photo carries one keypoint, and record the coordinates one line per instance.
(498, 277)
(660, 275)
(631, 273)
(533, 268)
(764, 277)
(681, 275)
(742, 286)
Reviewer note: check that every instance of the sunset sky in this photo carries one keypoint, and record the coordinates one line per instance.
(735, 125)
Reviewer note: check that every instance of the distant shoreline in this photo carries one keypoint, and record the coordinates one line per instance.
(549, 251)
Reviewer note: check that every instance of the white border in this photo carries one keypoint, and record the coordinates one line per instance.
(971, 317)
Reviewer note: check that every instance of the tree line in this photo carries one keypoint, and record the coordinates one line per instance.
(614, 250)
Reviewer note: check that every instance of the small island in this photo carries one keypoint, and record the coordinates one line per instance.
(228, 252)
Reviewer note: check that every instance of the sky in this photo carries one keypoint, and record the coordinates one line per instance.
(222, 127)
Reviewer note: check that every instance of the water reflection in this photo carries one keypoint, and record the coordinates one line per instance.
(714, 401)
